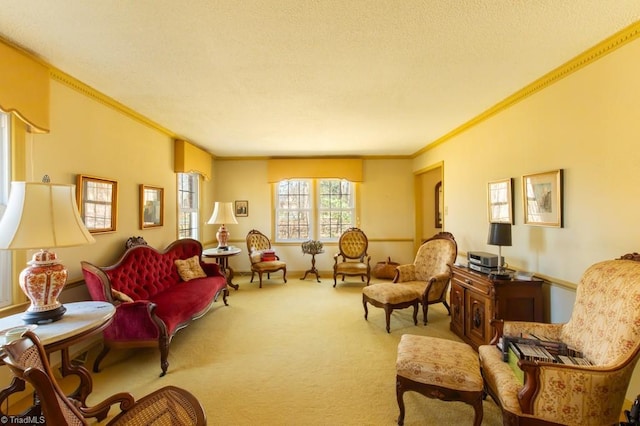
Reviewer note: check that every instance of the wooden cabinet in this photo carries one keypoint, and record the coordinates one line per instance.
(476, 299)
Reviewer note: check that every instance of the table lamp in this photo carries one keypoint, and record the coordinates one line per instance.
(222, 213)
(500, 235)
(42, 215)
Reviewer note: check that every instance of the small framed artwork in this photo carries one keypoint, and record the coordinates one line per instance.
(242, 208)
(543, 199)
(500, 196)
(151, 206)
(97, 200)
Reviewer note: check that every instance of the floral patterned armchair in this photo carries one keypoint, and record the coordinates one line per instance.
(604, 326)
(424, 281)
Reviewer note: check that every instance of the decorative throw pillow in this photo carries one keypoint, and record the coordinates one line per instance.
(255, 256)
(190, 268)
(118, 295)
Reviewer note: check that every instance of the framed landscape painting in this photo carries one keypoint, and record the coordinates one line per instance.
(543, 198)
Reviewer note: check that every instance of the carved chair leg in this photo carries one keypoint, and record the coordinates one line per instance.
(284, 274)
(425, 311)
(364, 303)
(399, 397)
(387, 313)
(415, 312)
(446, 305)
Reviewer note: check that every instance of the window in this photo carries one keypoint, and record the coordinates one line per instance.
(188, 196)
(318, 209)
(5, 179)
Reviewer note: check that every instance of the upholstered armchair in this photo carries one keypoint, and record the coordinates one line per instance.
(27, 359)
(430, 272)
(604, 326)
(424, 281)
(259, 247)
(352, 258)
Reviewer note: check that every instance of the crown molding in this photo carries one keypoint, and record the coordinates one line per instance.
(600, 50)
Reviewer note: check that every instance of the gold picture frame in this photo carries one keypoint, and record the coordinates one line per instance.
(97, 200)
(151, 206)
(241, 208)
(500, 201)
(543, 198)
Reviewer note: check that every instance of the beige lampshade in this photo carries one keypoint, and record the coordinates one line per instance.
(42, 215)
(222, 214)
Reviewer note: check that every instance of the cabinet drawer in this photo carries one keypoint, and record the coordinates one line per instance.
(474, 283)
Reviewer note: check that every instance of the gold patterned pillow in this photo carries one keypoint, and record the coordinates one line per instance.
(190, 268)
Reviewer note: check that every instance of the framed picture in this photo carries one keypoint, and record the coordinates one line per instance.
(500, 196)
(542, 195)
(151, 206)
(97, 200)
(242, 208)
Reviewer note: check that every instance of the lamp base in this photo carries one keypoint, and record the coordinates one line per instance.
(44, 317)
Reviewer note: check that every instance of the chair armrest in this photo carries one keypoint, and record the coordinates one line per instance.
(516, 328)
(405, 273)
(101, 409)
(549, 391)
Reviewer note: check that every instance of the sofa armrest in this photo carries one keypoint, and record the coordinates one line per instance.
(211, 269)
(405, 273)
(135, 321)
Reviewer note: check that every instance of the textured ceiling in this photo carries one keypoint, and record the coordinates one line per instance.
(310, 77)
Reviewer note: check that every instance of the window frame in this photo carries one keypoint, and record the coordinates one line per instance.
(193, 231)
(6, 256)
(315, 211)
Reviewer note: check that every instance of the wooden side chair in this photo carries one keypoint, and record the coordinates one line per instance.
(257, 245)
(353, 259)
(28, 360)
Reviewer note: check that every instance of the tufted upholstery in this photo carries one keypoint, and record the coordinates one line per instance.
(604, 326)
(352, 259)
(424, 281)
(162, 302)
(256, 243)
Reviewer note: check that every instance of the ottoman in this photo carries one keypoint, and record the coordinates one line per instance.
(441, 369)
(390, 296)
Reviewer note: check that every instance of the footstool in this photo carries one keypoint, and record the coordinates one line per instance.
(441, 369)
(390, 296)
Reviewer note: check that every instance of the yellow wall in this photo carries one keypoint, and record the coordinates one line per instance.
(586, 124)
(385, 211)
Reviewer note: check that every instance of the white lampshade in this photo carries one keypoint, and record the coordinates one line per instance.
(42, 215)
(222, 214)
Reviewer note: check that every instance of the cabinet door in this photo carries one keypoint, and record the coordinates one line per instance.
(456, 298)
(477, 326)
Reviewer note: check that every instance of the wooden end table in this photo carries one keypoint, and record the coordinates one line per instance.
(222, 258)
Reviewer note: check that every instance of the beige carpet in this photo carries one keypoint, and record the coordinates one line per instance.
(299, 353)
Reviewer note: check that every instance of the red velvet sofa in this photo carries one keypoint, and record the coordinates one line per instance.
(152, 301)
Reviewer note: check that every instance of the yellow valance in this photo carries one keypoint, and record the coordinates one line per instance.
(292, 168)
(24, 88)
(191, 159)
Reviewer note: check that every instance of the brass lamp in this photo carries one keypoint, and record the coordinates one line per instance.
(42, 215)
(222, 214)
(500, 235)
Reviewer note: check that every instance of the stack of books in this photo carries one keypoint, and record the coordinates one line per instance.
(268, 255)
(537, 348)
